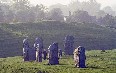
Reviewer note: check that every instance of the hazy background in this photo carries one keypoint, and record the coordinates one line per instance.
(91, 22)
(104, 3)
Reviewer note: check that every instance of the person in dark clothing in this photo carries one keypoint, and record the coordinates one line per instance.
(44, 54)
(60, 53)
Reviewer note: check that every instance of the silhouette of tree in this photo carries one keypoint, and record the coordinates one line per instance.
(107, 20)
(82, 16)
(109, 10)
(55, 14)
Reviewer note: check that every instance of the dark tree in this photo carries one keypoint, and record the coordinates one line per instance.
(56, 14)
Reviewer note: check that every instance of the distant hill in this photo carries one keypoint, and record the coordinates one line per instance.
(89, 35)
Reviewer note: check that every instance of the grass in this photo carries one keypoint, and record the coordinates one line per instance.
(96, 62)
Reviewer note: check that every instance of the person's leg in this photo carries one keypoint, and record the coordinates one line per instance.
(77, 62)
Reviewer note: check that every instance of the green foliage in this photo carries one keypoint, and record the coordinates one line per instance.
(55, 14)
(86, 34)
(96, 62)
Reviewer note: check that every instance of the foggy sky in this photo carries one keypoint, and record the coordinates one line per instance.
(50, 2)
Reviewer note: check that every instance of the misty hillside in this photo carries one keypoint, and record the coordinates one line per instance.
(89, 35)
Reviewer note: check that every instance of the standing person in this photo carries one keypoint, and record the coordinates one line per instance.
(26, 50)
(76, 57)
(44, 54)
(38, 45)
(38, 54)
(60, 53)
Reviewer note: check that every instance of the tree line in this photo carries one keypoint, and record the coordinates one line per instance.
(88, 12)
